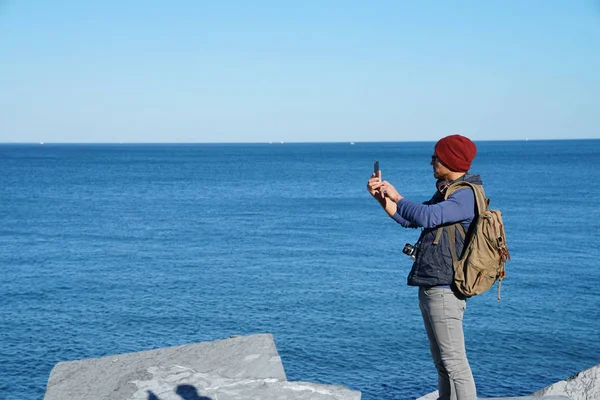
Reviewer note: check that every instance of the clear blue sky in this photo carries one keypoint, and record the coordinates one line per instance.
(258, 71)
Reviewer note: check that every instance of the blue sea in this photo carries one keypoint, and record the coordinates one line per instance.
(107, 249)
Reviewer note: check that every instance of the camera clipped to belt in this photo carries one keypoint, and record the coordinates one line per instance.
(412, 250)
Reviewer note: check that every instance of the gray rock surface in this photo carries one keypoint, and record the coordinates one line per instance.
(243, 367)
(584, 385)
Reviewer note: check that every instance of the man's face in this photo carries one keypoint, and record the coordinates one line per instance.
(440, 171)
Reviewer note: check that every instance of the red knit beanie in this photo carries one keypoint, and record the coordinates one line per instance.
(456, 152)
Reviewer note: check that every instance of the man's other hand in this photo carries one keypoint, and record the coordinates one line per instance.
(389, 191)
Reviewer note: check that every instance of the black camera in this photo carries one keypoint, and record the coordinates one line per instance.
(411, 250)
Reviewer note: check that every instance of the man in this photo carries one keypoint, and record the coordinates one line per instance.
(442, 306)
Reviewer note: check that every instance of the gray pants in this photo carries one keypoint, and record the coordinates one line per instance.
(443, 315)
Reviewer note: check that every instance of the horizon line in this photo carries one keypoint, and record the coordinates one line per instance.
(280, 142)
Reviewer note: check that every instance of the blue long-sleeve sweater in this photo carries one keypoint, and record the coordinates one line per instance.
(460, 206)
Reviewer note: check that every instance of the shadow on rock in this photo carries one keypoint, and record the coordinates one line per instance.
(186, 392)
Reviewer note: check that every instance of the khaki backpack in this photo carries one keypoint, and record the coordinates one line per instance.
(485, 253)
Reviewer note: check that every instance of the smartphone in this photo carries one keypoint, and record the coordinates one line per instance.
(376, 168)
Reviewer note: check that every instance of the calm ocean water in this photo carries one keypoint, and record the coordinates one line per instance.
(106, 249)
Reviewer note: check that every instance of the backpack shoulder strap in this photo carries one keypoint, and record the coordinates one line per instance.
(452, 242)
(458, 226)
(451, 189)
(481, 201)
